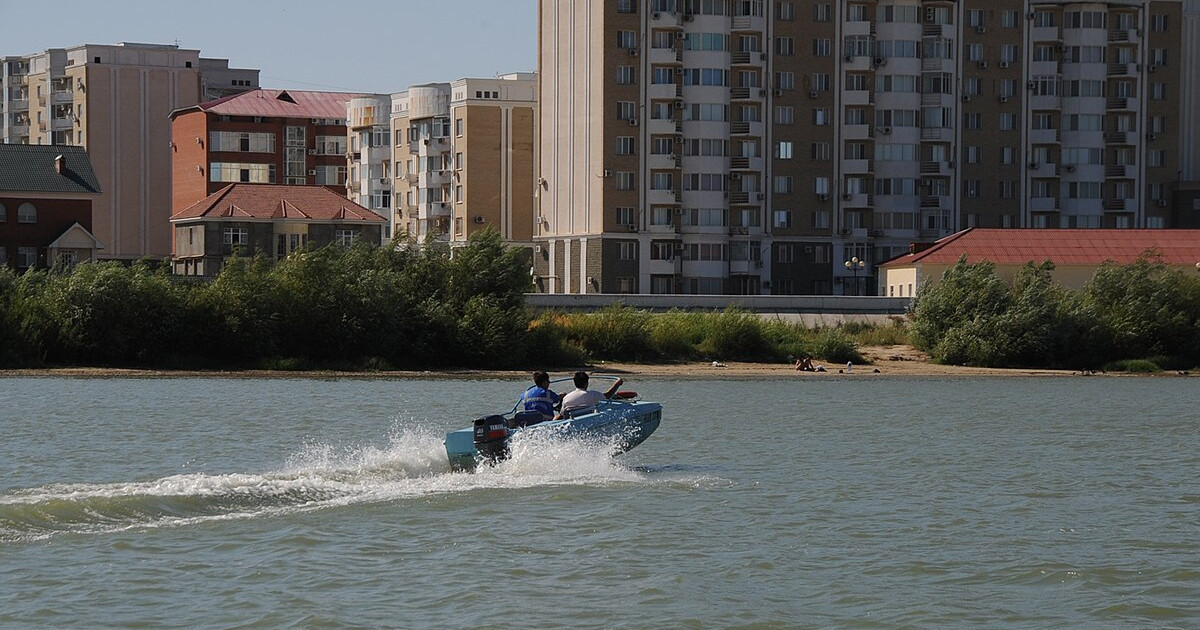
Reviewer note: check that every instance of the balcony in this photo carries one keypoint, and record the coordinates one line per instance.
(65, 96)
(857, 167)
(1120, 137)
(1045, 34)
(747, 93)
(1114, 205)
(858, 97)
(1043, 136)
(61, 124)
(663, 161)
(937, 134)
(18, 130)
(1123, 35)
(1045, 101)
(857, 200)
(746, 58)
(858, 132)
(739, 198)
(662, 91)
(18, 104)
(665, 19)
(1119, 171)
(662, 197)
(666, 56)
(749, 23)
(1121, 69)
(936, 168)
(1043, 204)
(935, 201)
(1121, 102)
(433, 179)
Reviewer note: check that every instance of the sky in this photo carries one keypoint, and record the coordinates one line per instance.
(375, 46)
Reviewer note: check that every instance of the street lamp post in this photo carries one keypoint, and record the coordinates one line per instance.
(854, 264)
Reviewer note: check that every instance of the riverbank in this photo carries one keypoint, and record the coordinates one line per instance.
(885, 361)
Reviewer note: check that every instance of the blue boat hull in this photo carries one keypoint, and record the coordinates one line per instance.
(629, 422)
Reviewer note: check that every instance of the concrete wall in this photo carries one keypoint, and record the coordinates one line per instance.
(783, 305)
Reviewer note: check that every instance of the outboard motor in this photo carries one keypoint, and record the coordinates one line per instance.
(491, 438)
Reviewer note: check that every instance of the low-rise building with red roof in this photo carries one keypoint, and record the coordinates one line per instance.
(46, 197)
(1076, 254)
(256, 219)
(289, 137)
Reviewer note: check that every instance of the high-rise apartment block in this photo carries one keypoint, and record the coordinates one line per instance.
(744, 146)
(114, 101)
(448, 159)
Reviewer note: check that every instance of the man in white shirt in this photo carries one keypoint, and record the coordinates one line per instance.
(584, 400)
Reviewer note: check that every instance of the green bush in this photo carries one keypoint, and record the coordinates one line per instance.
(735, 334)
(1133, 366)
(835, 346)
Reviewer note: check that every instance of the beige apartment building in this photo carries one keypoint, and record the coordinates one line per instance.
(746, 146)
(114, 100)
(448, 159)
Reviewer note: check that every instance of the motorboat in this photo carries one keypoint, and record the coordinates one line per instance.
(623, 421)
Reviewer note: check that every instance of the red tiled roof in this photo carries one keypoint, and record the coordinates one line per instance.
(1062, 247)
(276, 202)
(282, 104)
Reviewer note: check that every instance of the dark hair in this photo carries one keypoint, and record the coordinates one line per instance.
(540, 377)
(581, 380)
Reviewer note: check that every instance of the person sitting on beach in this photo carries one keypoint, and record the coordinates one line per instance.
(539, 398)
(805, 364)
(584, 400)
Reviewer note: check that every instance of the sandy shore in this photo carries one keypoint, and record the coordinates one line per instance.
(884, 361)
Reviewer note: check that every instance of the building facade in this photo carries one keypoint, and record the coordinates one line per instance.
(1076, 253)
(450, 158)
(114, 101)
(744, 146)
(46, 196)
(272, 220)
(264, 137)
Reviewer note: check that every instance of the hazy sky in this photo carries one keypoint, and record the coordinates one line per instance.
(356, 45)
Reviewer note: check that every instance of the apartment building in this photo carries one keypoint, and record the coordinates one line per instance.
(288, 137)
(114, 100)
(744, 146)
(453, 157)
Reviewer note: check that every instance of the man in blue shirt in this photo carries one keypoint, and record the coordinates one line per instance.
(540, 398)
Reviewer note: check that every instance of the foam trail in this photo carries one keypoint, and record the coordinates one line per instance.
(411, 464)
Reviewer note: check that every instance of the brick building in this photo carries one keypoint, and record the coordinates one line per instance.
(263, 137)
(276, 220)
(46, 195)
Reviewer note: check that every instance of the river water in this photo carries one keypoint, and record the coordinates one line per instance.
(821, 502)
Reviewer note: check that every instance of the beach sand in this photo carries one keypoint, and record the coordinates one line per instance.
(884, 361)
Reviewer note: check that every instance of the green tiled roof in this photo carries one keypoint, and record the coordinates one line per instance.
(30, 168)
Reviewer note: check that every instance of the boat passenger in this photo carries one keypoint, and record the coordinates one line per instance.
(540, 398)
(584, 400)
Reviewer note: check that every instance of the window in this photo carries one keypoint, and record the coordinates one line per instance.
(820, 151)
(1043, 19)
(626, 6)
(345, 238)
(3, 217)
(626, 216)
(971, 187)
(625, 181)
(783, 184)
(785, 46)
(235, 236)
(244, 142)
(1008, 122)
(26, 257)
(26, 213)
(821, 47)
(626, 39)
(785, 253)
(1158, 91)
(660, 180)
(783, 150)
(626, 110)
(625, 145)
(785, 80)
(1008, 155)
(1156, 158)
(821, 12)
(783, 219)
(1008, 19)
(784, 115)
(1158, 22)
(625, 75)
(785, 10)
(821, 116)
(1008, 189)
(820, 81)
